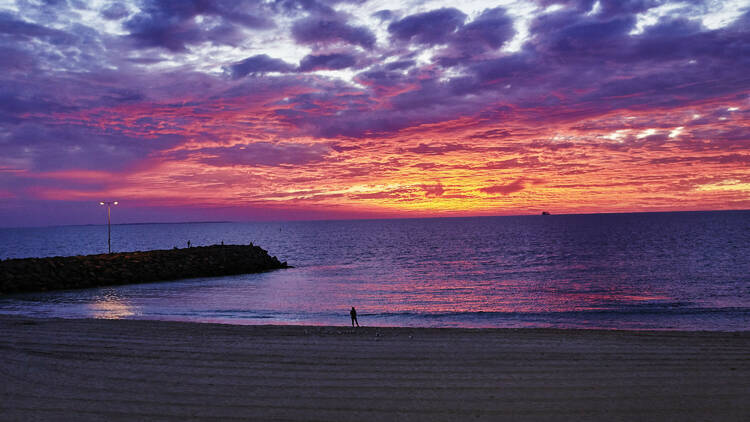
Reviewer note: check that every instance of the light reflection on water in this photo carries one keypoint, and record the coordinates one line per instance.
(109, 305)
(664, 271)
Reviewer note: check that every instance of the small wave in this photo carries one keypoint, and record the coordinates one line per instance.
(676, 308)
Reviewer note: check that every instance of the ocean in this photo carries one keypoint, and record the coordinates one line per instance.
(664, 271)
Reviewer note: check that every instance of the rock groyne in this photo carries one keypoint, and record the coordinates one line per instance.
(83, 271)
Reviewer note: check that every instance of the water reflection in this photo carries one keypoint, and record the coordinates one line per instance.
(109, 305)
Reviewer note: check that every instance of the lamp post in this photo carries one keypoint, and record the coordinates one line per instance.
(109, 205)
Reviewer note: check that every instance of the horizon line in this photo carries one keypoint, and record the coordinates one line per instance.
(373, 218)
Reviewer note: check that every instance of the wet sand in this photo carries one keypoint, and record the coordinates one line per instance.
(92, 370)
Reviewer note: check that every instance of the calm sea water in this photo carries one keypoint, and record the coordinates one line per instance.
(623, 271)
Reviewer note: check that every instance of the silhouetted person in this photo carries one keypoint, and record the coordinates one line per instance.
(188, 243)
(353, 313)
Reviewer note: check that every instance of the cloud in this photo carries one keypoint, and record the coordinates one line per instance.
(399, 65)
(53, 147)
(566, 34)
(258, 65)
(743, 159)
(384, 15)
(264, 154)
(487, 32)
(16, 60)
(22, 31)
(295, 7)
(327, 30)
(512, 187)
(490, 30)
(433, 190)
(115, 11)
(333, 61)
(436, 149)
(172, 25)
(433, 27)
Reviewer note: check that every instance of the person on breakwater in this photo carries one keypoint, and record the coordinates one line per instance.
(353, 314)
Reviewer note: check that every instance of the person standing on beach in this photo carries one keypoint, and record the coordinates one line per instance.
(353, 314)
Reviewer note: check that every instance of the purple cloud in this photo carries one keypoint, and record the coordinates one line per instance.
(566, 33)
(434, 27)
(626, 7)
(327, 62)
(22, 31)
(171, 25)
(258, 65)
(490, 30)
(115, 11)
(265, 154)
(15, 60)
(63, 146)
(399, 65)
(383, 15)
(328, 30)
(293, 7)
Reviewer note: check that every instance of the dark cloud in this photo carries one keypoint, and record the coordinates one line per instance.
(518, 67)
(115, 11)
(171, 25)
(384, 15)
(47, 147)
(434, 27)
(265, 154)
(13, 27)
(295, 7)
(606, 8)
(382, 80)
(14, 104)
(16, 60)
(626, 7)
(569, 35)
(511, 163)
(329, 30)
(258, 65)
(327, 62)
(399, 65)
(512, 187)
(433, 190)
(490, 30)
(436, 149)
(712, 159)
(492, 134)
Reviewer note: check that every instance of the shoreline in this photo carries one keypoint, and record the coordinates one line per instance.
(298, 326)
(94, 369)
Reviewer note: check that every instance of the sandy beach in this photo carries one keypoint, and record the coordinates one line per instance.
(80, 370)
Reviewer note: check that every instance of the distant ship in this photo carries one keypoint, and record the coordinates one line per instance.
(545, 213)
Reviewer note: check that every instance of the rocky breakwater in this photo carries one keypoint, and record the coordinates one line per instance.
(76, 272)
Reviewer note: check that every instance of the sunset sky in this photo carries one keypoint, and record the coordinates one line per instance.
(193, 110)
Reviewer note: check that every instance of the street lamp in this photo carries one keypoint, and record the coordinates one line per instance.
(108, 204)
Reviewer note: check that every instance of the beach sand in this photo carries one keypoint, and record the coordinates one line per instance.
(80, 370)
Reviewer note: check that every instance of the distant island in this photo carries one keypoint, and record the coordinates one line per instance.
(84, 271)
(546, 213)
